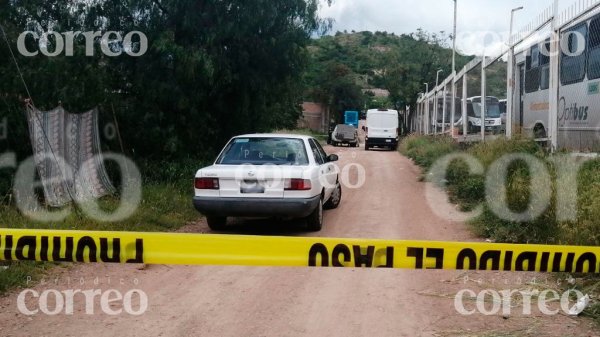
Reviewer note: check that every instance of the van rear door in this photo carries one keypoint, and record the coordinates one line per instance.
(382, 125)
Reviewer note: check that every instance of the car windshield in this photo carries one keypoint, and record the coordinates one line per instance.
(261, 151)
(492, 109)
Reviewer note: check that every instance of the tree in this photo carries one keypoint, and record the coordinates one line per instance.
(213, 68)
(337, 89)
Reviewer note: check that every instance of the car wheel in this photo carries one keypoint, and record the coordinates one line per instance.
(539, 132)
(357, 144)
(336, 197)
(366, 146)
(314, 222)
(216, 223)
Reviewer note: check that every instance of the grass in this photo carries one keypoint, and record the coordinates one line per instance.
(468, 191)
(426, 150)
(165, 206)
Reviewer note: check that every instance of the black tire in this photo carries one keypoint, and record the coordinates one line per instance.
(357, 144)
(366, 146)
(216, 223)
(335, 198)
(314, 222)
(539, 132)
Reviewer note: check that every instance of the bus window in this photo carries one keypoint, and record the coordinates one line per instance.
(594, 52)
(572, 68)
(470, 111)
(545, 66)
(532, 77)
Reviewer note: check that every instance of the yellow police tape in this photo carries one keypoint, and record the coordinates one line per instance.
(200, 249)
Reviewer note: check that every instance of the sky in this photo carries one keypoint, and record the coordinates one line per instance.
(482, 24)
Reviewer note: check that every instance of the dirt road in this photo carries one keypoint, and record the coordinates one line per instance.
(243, 301)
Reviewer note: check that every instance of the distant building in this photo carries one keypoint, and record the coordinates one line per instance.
(377, 92)
(314, 116)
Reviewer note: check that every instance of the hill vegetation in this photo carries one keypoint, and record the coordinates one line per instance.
(343, 65)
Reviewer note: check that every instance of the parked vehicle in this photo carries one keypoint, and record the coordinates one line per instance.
(502, 104)
(351, 118)
(382, 129)
(268, 175)
(493, 120)
(332, 126)
(578, 102)
(345, 135)
(443, 121)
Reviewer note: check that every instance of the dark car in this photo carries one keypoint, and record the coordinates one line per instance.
(345, 135)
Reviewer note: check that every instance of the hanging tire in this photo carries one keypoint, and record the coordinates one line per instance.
(216, 223)
(314, 222)
(335, 198)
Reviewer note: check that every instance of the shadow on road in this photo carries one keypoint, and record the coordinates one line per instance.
(268, 227)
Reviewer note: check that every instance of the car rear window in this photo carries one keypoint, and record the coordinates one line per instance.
(261, 151)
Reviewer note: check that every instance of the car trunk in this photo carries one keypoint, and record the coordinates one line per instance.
(345, 133)
(252, 181)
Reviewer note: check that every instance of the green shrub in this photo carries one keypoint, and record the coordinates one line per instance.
(425, 151)
(586, 230)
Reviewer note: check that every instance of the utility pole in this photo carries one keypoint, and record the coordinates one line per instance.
(453, 107)
(510, 76)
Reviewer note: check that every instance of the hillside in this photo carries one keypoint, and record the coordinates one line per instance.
(343, 64)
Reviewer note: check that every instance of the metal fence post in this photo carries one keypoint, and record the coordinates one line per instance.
(445, 93)
(554, 79)
(464, 105)
(510, 87)
(483, 98)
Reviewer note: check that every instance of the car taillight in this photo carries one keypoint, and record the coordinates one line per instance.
(206, 183)
(297, 185)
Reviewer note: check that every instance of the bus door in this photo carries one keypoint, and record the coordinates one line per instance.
(521, 82)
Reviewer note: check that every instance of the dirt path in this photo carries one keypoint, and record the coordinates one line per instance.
(244, 301)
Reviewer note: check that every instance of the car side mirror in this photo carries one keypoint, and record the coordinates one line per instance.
(332, 158)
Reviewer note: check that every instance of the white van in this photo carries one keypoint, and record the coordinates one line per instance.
(382, 129)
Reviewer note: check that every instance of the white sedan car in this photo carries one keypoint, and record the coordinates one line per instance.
(269, 175)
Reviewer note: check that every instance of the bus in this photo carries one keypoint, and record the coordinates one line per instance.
(445, 120)
(578, 87)
(493, 117)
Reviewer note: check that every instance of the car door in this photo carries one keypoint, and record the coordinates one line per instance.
(327, 170)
